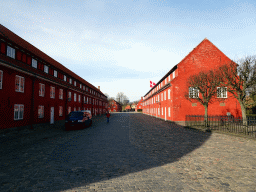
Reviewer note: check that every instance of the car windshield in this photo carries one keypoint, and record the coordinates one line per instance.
(75, 114)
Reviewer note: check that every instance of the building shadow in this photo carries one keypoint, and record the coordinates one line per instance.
(131, 142)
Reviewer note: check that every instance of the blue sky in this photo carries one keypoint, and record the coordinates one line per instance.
(122, 45)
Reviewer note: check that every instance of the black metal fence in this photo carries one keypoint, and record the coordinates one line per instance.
(224, 123)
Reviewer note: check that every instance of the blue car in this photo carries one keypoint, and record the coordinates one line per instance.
(78, 120)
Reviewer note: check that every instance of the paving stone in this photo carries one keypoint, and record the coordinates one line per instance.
(134, 152)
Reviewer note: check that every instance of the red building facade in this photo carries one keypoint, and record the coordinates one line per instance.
(114, 106)
(166, 100)
(35, 88)
(139, 106)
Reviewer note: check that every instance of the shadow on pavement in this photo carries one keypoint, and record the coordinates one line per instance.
(131, 142)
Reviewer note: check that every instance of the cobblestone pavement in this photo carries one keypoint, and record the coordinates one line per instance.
(133, 152)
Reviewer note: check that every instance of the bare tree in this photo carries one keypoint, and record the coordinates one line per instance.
(121, 98)
(239, 78)
(107, 95)
(205, 83)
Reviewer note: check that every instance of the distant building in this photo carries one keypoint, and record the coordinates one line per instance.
(166, 99)
(139, 106)
(133, 106)
(114, 106)
(128, 108)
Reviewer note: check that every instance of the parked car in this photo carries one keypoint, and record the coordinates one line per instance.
(78, 120)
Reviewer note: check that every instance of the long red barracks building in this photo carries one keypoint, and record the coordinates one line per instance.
(166, 99)
(36, 89)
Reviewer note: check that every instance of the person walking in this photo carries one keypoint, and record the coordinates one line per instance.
(108, 115)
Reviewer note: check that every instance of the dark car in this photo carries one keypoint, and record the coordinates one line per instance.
(78, 120)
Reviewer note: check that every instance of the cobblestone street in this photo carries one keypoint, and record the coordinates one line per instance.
(134, 152)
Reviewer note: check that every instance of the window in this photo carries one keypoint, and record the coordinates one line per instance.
(87, 89)
(46, 69)
(193, 92)
(221, 92)
(19, 84)
(158, 98)
(52, 92)
(69, 110)
(60, 111)
(169, 93)
(1, 79)
(10, 52)
(18, 111)
(83, 87)
(79, 98)
(162, 111)
(65, 78)
(169, 111)
(41, 89)
(78, 108)
(70, 81)
(60, 93)
(166, 81)
(87, 101)
(55, 73)
(80, 86)
(74, 96)
(34, 63)
(74, 108)
(173, 74)
(158, 111)
(40, 111)
(165, 95)
(74, 83)
(69, 96)
(162, 96)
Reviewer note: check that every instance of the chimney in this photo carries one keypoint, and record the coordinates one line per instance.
(99, 87)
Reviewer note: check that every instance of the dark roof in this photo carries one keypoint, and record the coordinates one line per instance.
(9, 35)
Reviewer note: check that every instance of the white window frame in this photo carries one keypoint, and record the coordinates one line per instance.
(1, 79)
(52, 92)
(75, 97)
(80, 86)
(83, 87)
(60, 93)
(55, 73)
(70, 81)
(65, 78)
(41, 89)
(46, 69)
(34, 63)
(169, 93)
(18, 111)
(193, 92)
(40, 111)
(60, 111)
(222, 93)
(10, 52)
(79, 99)
(169, 111)
(173, 75)
(74, 83)
(20, 86)
(74, 108)
(165, 95)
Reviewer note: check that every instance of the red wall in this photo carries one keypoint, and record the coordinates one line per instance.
(205, 56)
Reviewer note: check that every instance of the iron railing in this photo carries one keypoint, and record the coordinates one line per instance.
(224, 124)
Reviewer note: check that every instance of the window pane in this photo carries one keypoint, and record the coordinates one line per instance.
(21, 111)
(34, 63)
(22, 84)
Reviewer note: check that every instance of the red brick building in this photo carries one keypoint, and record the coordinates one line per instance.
(139, 105)
(166, 99)
(35, 89)
(114, 106)
(128, 108)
